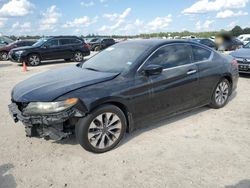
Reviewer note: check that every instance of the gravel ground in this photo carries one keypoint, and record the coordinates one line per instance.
(202, 148)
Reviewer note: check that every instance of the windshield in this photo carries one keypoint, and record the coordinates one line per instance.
(247, 45)
(12, 43)
(40, 42)
(118, 58)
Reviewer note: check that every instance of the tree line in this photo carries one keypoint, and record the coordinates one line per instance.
(236, 31)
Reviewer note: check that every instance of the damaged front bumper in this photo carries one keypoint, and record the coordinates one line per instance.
(54, 126)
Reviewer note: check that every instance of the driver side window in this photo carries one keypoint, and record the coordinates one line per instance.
(52, 43)
(171, 56)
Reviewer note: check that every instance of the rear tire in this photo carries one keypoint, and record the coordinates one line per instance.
(78, 56)
(101, 130)
(4, 56)
(97, 48)
(221, 94)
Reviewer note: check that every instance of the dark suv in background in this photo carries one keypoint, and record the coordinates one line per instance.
(98, 44)
(51, 48)
(4, 50)
(206, 42)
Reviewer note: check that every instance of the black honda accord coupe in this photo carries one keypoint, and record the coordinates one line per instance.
(124, 87)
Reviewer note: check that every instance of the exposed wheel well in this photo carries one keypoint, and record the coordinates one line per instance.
(230, 81)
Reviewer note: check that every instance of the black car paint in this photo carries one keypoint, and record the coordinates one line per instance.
(51, 53)
(142, 98)
(102, 43)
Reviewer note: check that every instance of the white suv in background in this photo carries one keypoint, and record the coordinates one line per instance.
(244, 38)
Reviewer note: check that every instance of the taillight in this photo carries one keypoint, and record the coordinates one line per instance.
(86, 46)
(235, 63)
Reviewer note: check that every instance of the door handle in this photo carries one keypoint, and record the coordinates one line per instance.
(191, 72)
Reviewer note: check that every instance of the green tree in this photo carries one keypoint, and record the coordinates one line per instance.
(236, 31)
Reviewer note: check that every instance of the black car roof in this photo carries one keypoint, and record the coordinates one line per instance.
(55, 37)
(157, 42)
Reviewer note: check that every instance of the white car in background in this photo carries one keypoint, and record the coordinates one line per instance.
(244, 38)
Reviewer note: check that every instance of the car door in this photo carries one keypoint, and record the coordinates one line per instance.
(209, 72)
(175, 89)
(67, 47)
(51, 50)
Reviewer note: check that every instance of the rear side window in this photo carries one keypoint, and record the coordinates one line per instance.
(200, 54)
(65, 41)
(75, 41)
(171, 56)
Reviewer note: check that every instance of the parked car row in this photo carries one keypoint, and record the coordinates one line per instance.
(51, 48)
(227, 45)
(244, 38)
(97, 44)
(242, 56)
(4, 50)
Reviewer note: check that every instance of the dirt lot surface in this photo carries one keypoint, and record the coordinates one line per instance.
(202, 148)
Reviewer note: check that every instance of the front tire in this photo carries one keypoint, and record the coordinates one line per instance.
(97, 48)
(34, 60)
(221, 94)
(101, 130)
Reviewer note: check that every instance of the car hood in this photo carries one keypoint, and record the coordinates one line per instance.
(48, 86)
(23, 48)
(242, 53)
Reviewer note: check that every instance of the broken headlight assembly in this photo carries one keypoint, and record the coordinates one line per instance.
(39, 108)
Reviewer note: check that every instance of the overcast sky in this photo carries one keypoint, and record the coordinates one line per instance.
(57, 17)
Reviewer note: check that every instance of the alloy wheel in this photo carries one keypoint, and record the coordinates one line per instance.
(104, 130)
(78, 56)
(34, 60)
(4, 56)
(221, 93)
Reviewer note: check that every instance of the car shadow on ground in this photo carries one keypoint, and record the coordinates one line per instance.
(241, 184)
(7, 180)
(152, 125)
(164, 122)
(169, 120)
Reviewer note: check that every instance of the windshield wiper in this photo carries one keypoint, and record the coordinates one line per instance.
(89, 68)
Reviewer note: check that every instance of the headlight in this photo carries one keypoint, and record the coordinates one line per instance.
(19, 52)
(36, 108)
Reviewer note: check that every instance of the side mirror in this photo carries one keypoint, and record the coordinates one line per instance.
(152, 70)
(45, 46)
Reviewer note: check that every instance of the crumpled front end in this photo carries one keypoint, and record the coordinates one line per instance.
(55, 126)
